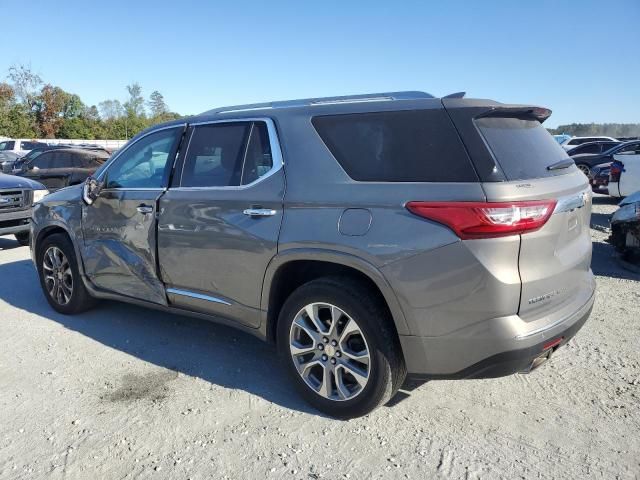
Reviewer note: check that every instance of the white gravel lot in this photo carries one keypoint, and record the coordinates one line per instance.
(123, 392)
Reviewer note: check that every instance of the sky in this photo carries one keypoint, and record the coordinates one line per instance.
(579, 58)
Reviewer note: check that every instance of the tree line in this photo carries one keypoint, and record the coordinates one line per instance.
(607, 129)
(31, 108)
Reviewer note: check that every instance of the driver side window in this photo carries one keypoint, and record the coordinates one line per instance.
(143, 164)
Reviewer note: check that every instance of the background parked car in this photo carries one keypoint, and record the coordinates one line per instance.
(17, 195)
(625, 228)
(624, 178)
(586, 162)
(575, 141)
(593, 147)
(62, 167)
(600, 178)
(7, 160)
(20, 146)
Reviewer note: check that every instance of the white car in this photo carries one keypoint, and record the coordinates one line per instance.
(624, 177)
(20, 146)
(571, 142)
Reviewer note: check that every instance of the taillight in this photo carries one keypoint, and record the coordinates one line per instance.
(470, 220)
(617, 167)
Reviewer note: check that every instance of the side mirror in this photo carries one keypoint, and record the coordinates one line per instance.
(91, 190)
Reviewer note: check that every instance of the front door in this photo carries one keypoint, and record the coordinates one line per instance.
(39, 169)
(119, 228)
(219, 222)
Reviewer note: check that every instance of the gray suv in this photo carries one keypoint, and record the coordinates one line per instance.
(369, 237)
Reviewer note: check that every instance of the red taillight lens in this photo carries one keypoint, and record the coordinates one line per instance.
(617, 167)
(486, 219)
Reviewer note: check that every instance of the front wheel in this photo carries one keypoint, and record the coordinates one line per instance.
(338, 343)
(59, 276)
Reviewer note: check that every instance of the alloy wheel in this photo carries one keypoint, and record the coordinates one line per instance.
(330, 352)
(586, 170)
(58, 278)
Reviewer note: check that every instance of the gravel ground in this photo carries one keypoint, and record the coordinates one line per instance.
(123, 392)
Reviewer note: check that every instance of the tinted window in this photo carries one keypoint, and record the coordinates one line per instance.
(523, 148)
(215, 155)
(7, 145)
(62, 160)
(591, 148)
(31, 145)
(258, 159)
(405, 146)
(633, 149)
(43, 161)
(142, 165)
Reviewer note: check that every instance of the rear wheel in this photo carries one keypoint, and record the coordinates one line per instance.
(584, 169)
(23, 238)
(338, 344)
(59, 276)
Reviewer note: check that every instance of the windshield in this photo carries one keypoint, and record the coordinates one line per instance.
(7, 145)
(32, 154)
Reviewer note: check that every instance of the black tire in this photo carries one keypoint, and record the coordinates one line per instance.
(80, 299)
(23, 238)
(387, 370)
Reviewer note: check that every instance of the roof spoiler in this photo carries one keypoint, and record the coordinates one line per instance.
(456, 95)
(539, 113)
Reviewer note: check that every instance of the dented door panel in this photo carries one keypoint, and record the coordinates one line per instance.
(120, 243)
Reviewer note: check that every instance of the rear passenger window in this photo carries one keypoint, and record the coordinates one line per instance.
(258, 159)
(226, 155)
(401, 146)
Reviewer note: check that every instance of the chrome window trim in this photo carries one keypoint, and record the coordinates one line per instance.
(276, 153)
(129, 144)
(199, 296)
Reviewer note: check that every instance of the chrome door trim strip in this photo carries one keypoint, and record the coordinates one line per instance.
(199, 296)
(572, 202)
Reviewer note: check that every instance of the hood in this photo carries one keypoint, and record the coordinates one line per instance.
(11, 181)
(633, 198)
(74, 192)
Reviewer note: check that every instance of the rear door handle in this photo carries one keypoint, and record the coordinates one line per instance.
(259, 212)
(144, 209)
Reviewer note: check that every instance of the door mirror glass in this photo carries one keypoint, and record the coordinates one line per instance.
(91, 190)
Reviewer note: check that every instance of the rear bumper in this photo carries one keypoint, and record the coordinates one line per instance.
(456, 356)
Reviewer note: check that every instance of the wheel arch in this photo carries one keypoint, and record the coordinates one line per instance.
(293, 268)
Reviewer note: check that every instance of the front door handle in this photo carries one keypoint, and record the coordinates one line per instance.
(144, 209)
(259, 212)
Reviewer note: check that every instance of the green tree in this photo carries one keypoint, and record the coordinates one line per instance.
(134, 106)
(157, 105)
(110, 109)
(25, 84)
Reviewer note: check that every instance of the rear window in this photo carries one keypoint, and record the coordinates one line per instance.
(522, 147)
(402, 146)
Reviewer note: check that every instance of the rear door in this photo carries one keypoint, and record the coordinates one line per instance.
(513, 152)
(60, 170)
(219, 223)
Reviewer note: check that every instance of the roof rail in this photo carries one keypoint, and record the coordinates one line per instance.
(456, 95)
(369, 97)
